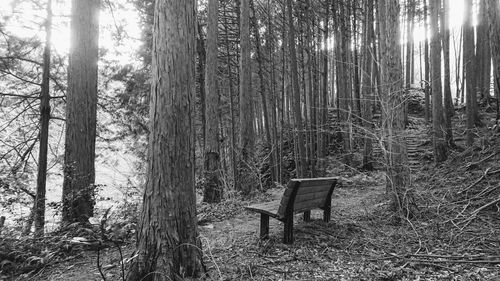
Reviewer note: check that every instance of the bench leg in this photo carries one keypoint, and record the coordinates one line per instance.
(307, 216)
(327, 213)
(264, 226)
(288, 230)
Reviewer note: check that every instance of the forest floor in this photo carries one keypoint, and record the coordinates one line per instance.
(455, 235)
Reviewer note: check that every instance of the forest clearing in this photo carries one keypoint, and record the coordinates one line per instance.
(249, 140)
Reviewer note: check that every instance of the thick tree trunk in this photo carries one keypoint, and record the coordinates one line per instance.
(392, 104)
(213, 186)
(167, 239)
(81, 112)
(440, 151)
(247, 181)
(301, 162)
(44, 129)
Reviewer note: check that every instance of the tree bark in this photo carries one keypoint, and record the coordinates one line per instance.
(323, 101)
(494, 36)
(231, 101)
(483, 53)
(213, 187)
(44, 129)
(471, 99)
(427, 88)
(344, 77)
(167, 241)
(301, 163)
(202, 59)
(81, 113)
(263, 91)
(247, 181)
(448, 102)
(367, 84)
(409, 52)
(273, 97)
(440, 151)
(392, 103)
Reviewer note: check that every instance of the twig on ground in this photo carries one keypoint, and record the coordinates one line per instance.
(99, 261)
(486, 173)
(476, 164)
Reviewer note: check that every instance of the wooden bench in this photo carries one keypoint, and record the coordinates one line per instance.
(301, 195)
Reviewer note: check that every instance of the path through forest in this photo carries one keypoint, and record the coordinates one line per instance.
(233, 251)
(364, 241)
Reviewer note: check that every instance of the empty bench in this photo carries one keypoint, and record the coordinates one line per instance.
(301, 195)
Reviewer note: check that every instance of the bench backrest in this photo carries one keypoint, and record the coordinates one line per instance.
(306, 194)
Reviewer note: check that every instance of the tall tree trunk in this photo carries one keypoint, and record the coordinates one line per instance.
(301, 163)
(427, 67)
(273, 97)
(248, 179)
(409, 52)
(313, 95)
(356, 69)
(409, 42)
(231, 101)
(81, 113)
(213, 186)
(344, 75)
(323, 102)
(284, 92)
(306, 79)
(494, 36)
(483, 53)
(392, 103)
(202, 62)
(448, 101)
(458, 81)
(44, 129)
(39, 205)
(471, 99)
(263, 91)
(445, 33)
(367, 83)
(440, 151)
(167, 239)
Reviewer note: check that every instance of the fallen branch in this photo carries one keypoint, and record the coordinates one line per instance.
(421, 258)
(458, 261)
(486, 173)
(486, 206)
(476, 164)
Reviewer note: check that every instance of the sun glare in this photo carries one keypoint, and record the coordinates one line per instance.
(119, 30)
(456, 14)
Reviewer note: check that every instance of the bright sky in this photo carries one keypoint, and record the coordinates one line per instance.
(26, 19)
(456, 14)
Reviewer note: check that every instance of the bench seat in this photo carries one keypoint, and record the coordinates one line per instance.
(300, 195)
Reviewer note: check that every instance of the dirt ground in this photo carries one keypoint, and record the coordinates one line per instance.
(362, 242)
